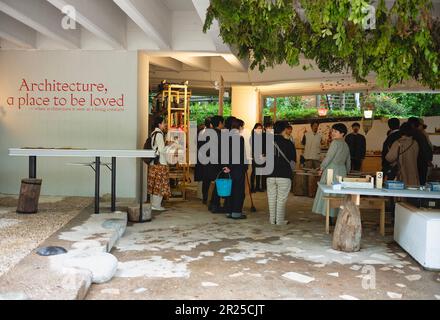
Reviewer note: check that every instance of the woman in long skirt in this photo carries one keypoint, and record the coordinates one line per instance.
(338, 159)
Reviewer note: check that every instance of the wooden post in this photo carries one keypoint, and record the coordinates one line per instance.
(356, 199)
(221, 96)
(29, 196)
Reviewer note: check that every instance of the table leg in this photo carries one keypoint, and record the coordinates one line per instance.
(327, 216)
(382, 219)
(97, 180)
(356, 198)
(32, 167)
(113, 184)
(141, 189)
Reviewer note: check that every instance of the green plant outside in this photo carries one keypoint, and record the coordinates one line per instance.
(388, 105)
(199, 111)
(336, 34)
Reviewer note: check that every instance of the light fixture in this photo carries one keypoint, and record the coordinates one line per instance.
(322, 112)
(368, 114)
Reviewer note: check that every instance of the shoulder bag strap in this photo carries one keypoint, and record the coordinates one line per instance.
(281, 152)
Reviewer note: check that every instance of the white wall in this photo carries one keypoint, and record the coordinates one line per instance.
(80, 129)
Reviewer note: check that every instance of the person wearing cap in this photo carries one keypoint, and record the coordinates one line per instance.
(358, 147)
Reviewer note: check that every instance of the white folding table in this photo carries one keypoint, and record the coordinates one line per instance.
(356, 192)
(85, 153)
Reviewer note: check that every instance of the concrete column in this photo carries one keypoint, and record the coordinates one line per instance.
(245, 105)
(142, 120)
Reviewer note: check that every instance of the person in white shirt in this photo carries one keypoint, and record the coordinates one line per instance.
(312, 147)
(158, 173)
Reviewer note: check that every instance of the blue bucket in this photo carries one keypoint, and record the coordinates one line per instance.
(224, 186)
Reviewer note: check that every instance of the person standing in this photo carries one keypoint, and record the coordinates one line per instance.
(403, 155)
(217, 123)
(425, 155)
(280, 181)
(393, 135)
(338, 159)
(237, 167)
(257, 157)
(268, 129)
(358, 147)
(201, 171)
(158, 173)
(312, 147)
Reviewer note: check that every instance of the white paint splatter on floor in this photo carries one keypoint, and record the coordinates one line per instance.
(155, 267)
(298, 277)
(414, 277)
(394, 295)
(209, 284)
(111, 291)
(189, 236)
(235, 275)
(415, 268)
(348, 297)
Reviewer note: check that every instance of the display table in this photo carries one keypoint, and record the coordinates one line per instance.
(357, 193)
(380, 192)
(85, 153)
(417, 230)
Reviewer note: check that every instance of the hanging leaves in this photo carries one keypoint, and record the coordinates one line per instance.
(396, 43)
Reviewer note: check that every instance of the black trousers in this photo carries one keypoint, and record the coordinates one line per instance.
(236, 201)
(356, 164)
(256, 178)
(423, 173)
(206, 182)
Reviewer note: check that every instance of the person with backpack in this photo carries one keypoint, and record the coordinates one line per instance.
(158, 171)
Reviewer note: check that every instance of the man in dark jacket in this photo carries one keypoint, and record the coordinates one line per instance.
(358, 147)
(425, 157)
(393, 135)
(214, 169)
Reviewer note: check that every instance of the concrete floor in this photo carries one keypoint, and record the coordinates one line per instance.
(22, 233)
(189, 253)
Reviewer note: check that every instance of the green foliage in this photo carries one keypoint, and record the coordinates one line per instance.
(200, 111)
(387, 105)
(404, 45)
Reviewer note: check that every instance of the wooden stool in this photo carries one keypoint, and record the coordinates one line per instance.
(29, 196)
(366, 203)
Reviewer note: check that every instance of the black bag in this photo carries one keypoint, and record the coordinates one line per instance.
(148, 145)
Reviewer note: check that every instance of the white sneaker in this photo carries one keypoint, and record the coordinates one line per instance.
(158, 209)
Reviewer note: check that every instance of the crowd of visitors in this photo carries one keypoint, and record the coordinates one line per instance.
(407, 155)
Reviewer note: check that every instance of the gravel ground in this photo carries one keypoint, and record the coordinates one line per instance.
(20, 234)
